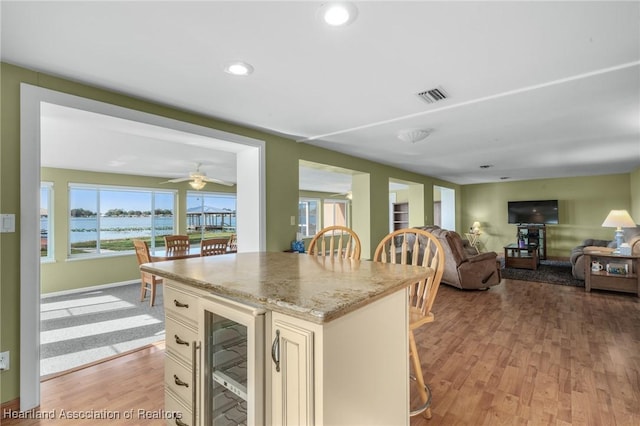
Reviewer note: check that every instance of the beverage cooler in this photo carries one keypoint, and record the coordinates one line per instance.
(232, 388)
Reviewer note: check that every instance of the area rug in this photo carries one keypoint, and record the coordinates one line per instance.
(549, 271)
(83, 328)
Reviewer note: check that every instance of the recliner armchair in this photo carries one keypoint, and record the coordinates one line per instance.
(462, 267)
(479, 271)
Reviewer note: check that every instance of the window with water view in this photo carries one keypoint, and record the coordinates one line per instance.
(210, 215)
(105, 220)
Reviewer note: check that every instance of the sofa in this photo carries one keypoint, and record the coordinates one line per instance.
(631, 237)
(463, 266)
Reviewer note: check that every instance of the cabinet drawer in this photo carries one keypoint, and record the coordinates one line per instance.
(178, 379)
(179, 339)
(180, 413)
(181, 304)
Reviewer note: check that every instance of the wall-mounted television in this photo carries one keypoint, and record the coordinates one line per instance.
(535, 212)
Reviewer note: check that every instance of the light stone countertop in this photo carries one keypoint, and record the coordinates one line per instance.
(315, 289)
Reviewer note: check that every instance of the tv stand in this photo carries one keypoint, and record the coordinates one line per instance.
(534, 234)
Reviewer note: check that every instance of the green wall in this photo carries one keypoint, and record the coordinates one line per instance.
(583, 203)
(281, 193)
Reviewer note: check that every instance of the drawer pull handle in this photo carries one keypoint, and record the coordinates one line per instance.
(180, 304)
(180, 382)
(194, 379)
(181, 423)
(275, 350)
(180, 341)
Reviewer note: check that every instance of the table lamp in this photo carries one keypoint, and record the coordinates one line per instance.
(619, 219)
(475, 228)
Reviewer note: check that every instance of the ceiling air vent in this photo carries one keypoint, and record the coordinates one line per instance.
(433, 95)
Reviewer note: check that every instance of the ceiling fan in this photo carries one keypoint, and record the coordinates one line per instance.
(348, 195)
(198, 179)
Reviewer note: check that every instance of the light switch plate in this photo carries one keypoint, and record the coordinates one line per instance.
(4, 361)
(8, 223)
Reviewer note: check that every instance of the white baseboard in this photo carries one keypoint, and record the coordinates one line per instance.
(85, 289)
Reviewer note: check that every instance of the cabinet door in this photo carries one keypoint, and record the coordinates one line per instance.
(292, 373)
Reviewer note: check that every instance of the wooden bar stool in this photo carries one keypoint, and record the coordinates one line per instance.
(410, 246)
(337, 241)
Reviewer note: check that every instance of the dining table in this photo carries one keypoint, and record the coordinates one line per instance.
(161, 255)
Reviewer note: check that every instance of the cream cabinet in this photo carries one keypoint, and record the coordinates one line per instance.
(293, 371)
(181, 353)
(352, 370)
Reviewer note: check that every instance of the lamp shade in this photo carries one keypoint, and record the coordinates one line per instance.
(619, 219)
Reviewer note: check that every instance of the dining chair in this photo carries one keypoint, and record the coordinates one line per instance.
(232, 244)
(149, 281)
(213, 246)
(411, 246)
(337, 241)
(176, 244)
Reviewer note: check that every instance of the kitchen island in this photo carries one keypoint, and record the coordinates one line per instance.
(336, 330)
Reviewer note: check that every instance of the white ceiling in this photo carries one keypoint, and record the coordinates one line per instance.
(536, 89)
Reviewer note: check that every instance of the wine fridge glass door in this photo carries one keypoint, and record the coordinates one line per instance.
(232, 373)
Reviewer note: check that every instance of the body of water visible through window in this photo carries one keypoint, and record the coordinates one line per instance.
(104, 219)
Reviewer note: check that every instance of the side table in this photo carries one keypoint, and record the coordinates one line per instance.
(523, 257)
(474, 239)
(627, 282)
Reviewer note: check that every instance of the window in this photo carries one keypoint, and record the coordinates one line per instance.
(104, 220)
(46, 221)
(210, 214)
(308, 217)
(335, 213)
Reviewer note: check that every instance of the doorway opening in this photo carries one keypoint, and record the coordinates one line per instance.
(444, 207)
(250, 204)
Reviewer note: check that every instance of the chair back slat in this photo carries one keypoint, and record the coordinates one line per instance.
(213, 246)
(148, 281)
(423, 249)
(176, 244)
(142, 251)
(232, 244)
(342, 242)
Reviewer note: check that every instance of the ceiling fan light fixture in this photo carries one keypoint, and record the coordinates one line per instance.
(197, 184)
(338, 14)
(414, 135)
(238, 68)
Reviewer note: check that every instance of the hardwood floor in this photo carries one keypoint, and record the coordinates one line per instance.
(519, 354)
(110, 390)
(527, 353)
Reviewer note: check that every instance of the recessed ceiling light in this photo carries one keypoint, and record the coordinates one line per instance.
(337, 14)
(238, 68)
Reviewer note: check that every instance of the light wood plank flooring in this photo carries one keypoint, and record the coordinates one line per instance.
(519, 354)
(527, 353)
(113, 388)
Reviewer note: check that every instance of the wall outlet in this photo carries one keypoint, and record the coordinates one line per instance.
(4, 361)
